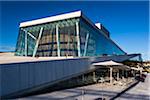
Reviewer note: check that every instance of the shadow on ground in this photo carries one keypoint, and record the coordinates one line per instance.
(76, 93)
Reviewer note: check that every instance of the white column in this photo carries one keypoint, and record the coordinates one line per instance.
(37, 42)
(118, 75)
(86, 43)
(123, 74)
(94, 79)
(78, 38)
(111, 75)
(26, 43)
(58, 43)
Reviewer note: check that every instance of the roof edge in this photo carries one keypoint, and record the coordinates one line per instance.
(51, 18)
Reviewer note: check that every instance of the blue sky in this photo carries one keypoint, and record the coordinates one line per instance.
(127, 21)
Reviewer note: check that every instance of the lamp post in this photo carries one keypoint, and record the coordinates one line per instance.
(82, 87)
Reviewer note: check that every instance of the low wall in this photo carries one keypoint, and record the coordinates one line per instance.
(29, 76)
(18, 77)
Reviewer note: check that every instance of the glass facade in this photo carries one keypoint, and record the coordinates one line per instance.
(69, 37)
(98, 44)
(48, 43)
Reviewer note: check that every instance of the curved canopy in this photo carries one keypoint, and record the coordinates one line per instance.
(107, 63)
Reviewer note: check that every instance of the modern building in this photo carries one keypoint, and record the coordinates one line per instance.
(71, 34)
(57, 49)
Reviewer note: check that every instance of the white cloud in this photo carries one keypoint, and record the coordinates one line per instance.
(7, 48)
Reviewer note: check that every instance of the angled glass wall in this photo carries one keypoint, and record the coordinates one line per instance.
(26, 42)
(20, 47)
(50, 39)
(94, 43)
(69, 37)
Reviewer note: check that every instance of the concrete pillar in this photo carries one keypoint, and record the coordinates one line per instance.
(111, 69)
(94, 78)
(118, 75)
(122, 74)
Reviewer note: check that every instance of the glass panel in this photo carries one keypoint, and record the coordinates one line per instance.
(47, 45)
(20, 47)
(68, 41)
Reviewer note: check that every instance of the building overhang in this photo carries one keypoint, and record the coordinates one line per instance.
(51, 19)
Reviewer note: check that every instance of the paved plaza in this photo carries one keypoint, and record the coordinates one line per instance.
(138, 92)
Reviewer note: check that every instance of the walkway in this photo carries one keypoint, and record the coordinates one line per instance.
(140, 92)
(91, 92)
